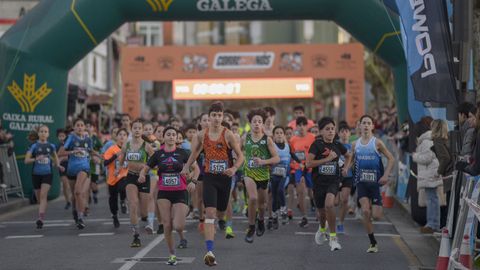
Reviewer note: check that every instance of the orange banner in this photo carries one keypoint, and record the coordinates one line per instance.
(317, 61)
(243, 88)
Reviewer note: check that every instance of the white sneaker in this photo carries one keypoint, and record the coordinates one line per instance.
(334, 245)
(320, 238)
(209, 259)
(149, 229)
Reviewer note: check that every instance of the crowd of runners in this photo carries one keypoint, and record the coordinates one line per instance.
(213, 169)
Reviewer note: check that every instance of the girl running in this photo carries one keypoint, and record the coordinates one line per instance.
(148, 202)
(42, 154)
(172, 186)
(78, 148)
(67, 193)
(135, 152)
(116, 172)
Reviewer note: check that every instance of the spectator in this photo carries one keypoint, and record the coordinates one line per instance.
(466, 119)
(6, 138)
(473, 167)
(428, 182)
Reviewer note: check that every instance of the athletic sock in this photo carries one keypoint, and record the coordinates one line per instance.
(209, 244)
(372, 239)
(134, 228)
(151, 218)
(41, 216)
(333, 234)
(322, 230)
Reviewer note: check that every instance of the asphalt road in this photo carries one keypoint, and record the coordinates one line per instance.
(60, 245)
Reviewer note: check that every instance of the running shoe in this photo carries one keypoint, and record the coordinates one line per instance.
(284, 218)
(149, 229)
(201, 227)
(320, 238)
(196, 214)
(160, 229)
(123, 207)
(183, 244)
(340, 229)
(303, 223)
(260, 227)
(229, 233)
(209, 259)
(290, 214)
(136, 241)
(372, 248)
(249, 236)
(75, 215)
(275, 223)
(80, 224)
(172, 260)
(222, 224)
(334, 245)
(67, 205)
(270, 224)
(39, 224)
(116, 222)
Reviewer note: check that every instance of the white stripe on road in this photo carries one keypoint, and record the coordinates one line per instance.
(96, 234)
(58, 225)
(24, 236)
(377, 234)
(61, 221)
(128, 265)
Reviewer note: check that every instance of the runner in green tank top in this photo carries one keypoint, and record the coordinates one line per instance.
(260, 152)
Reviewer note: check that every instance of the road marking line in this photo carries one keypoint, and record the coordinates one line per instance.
(95, 234)
(61, 221)
(412, 259)
(142, 253)
(377, 234)
(24, 236)
(58, 225)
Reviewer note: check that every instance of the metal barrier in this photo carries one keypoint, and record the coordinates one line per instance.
(10, 182)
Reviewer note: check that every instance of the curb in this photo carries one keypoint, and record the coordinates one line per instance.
(13, 205)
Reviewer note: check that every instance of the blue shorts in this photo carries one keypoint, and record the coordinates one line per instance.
(74, 169)
(371, 191)
(308, 178)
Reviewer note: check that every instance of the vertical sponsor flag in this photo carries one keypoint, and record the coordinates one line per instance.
(427, 48)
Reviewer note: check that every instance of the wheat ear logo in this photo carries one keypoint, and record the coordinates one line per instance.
(29, 97)
(159, 5)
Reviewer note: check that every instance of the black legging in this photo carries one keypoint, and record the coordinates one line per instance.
(278, 192)
(113, 192)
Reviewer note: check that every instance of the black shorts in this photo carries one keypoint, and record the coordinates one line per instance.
(64, 164)
(371, 191)
(320, 192)
(94, 178)
(347, 182)
(262, 184)
(216, 191)
(177, 196)
(38, 180)
(74, 177)
(132, 179)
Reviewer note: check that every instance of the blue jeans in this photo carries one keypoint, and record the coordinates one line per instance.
(433, 208)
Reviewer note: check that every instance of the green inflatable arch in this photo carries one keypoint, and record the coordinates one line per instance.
(37, 53)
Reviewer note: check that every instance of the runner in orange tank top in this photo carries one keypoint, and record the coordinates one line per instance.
(216, 141)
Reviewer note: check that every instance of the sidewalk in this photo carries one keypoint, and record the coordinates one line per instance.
(424, 248)
(13, 205)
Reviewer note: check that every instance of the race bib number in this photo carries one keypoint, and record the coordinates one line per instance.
(327, 169)
(251, 164)
(300, 155)
(44, 161)
(218, 166)
(133, 156)
(81, 153)
(368, 176)
(171, 180)
(279, 171)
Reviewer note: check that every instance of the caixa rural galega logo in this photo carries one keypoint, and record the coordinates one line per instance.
(159, 5)
(234, 5)
(28, 99)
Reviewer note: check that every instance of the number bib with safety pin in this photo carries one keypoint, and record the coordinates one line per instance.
(279, 171)
(369, 176)
(328, 169)
(44, 161)
(218, 166)
(300, 155)
(171, 179)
